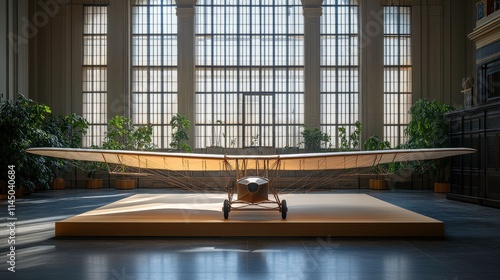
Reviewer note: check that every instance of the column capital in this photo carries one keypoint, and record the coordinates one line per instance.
(185, 8)
(185, 12)
(311, 3)
(312, 12)
(185, 3)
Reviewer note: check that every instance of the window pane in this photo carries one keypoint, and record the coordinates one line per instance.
(339, 66)
(249, 73)
(154, 67)
(397, 73)
(94, 73)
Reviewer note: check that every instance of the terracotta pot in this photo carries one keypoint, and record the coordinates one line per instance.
(378, 184)
(58, 184)
(93, 183)
(124, 184)
(442, 187)
(3, 190)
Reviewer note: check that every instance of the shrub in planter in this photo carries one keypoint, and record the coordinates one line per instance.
(351, 141)
(375, 143)
(90, 168)
(69, 130)
(23, 125)
(429, 129)
(314, 139)
(181, 126)
(122, 134)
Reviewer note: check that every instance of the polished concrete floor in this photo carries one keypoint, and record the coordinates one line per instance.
(470, 249)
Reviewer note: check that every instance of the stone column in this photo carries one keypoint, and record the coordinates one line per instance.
(186, 63)
(118, 59)
(76, 59)
(16, 30)
(372, 69)
(4, 50)
(312, 12)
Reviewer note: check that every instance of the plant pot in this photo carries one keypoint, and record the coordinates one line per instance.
(21, 191)
(378, 184)
(124, 184)
(58, 184)
(442, 187)
(3, 190)
(93, 183)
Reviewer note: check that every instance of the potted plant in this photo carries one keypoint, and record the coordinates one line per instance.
(90, 168)
(69, 129)
(351, 141)
(179, 138)
(23, 125)
(314, 138)
(218, 137)
(122, 134)
(375, 143)
(429, 129)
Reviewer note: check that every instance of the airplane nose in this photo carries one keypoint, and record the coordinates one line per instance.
(252, 187)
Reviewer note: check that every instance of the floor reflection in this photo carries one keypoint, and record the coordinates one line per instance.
(470, 250)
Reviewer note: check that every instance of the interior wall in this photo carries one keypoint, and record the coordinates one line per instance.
(4, 50)
(459, 50)
(443, 52)
(52, 56)
(49, 68)
(16, 33)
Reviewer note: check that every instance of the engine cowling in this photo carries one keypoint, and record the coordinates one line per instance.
(253, 189)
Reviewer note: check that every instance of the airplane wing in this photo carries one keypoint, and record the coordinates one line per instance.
(209, 162)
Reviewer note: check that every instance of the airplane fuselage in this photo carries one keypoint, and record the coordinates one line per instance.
(253, 189)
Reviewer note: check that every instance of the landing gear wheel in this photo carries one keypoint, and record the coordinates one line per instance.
(284, 209)
(225, 209)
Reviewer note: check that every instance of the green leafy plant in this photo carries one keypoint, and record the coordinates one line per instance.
(232, 142)
(351, 141)
(24, 124)
(181, 126)
(255, 140)
(375, 143)
(314, 138)
(90, 168)
(122, 134)
(218, 135)
(428, 128)
(69, 129)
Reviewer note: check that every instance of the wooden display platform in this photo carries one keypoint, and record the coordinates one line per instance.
(200, 214)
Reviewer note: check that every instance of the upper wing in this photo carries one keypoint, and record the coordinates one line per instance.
(139, 159)
(359, 159)
(208, 162)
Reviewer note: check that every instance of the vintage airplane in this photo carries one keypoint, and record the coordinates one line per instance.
(255, 175)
